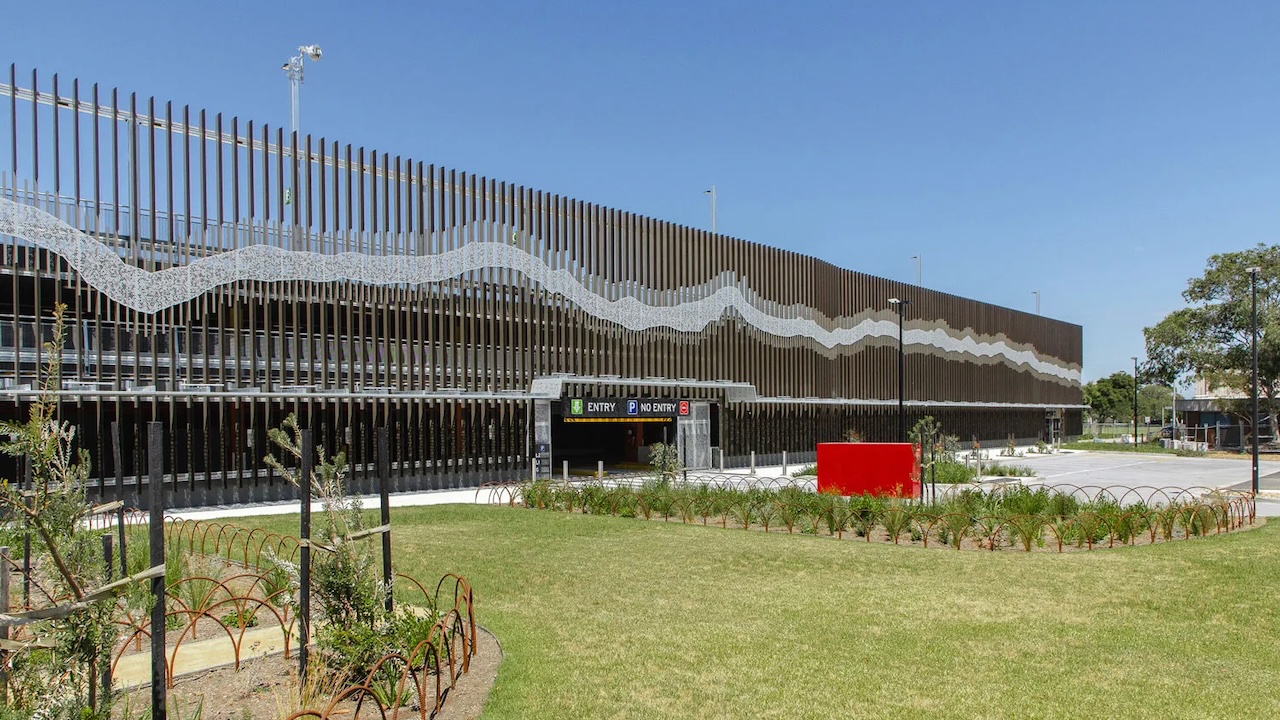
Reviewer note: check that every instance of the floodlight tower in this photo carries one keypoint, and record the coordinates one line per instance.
(293, 69)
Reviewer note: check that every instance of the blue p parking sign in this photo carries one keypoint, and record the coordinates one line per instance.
(633, 407)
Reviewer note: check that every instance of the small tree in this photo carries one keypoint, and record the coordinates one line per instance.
(665, 460)
(345, 588)
(357, 629)
(926, 436)
(60, 681)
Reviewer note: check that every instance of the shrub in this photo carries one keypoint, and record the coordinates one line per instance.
(950, 473)
(864, 514)
(58, 681)
(998, 470)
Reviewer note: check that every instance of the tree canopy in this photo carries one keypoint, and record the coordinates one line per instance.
(1111, 398)
(1211, 337)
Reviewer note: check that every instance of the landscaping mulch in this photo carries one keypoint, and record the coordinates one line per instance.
(263, 689)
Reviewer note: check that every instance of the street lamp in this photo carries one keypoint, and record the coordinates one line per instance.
(1037, 294)
(293, 69)
(901, 307)
(918, 275)
(1135, 400)
(1253, 326)
(712, 193)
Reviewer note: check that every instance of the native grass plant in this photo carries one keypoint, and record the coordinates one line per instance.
(972, 517)
(999, 470)
(58, 681)
(810, 470)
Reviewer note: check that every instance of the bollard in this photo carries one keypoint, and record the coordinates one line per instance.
(600, 470)
(564, 470)
(721, 459)
(753, 462)
(784, 463)
(533, 470)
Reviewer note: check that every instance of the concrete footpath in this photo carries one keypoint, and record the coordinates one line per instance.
(135, 669)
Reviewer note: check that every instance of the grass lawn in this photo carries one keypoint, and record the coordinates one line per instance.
(604, 617)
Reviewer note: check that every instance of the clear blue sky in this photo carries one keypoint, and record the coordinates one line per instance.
(1095, 151)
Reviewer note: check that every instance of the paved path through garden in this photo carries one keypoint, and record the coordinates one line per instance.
(216, 651)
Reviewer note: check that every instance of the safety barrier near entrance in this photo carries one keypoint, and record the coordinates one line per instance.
(990, 517)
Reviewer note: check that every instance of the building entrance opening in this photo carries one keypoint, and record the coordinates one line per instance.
(621, 431)
(617, 443)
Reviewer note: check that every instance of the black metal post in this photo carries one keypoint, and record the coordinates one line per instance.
(5, 574)
(119, 460)
(304, 565)
(384, 481)
(902, 382)
(108, 564)
(933, 471)
(155, 480)
(922, 468)
(901, 306)
(1135, 401)
(28, 484)
(1253, 322)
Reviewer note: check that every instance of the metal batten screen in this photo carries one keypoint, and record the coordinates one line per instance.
(221, 273)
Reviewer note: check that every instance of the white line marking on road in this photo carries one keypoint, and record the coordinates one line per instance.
(1101, 469)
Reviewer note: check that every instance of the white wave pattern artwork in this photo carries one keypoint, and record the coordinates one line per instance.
(150, 292)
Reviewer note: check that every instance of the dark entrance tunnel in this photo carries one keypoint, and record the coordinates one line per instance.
(616, 442)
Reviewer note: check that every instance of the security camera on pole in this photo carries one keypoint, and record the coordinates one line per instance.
(293, 69)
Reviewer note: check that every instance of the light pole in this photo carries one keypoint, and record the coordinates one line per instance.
(1037, 294)
(712, 193)
(1253, 326)
(917, 258)
(293, 69)
(1135, 400)
(901, 307)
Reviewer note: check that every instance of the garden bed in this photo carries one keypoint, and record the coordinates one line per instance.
(267, 687)
(1011, 517)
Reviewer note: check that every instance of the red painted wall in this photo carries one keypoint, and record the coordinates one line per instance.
(869, 469)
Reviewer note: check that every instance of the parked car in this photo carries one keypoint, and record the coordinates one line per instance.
(1175, 432)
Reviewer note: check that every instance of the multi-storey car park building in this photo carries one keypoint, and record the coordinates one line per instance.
(219, 274)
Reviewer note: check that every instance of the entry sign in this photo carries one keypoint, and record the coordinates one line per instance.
(586, 408)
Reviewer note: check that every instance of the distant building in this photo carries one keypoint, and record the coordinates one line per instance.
(1206, 417)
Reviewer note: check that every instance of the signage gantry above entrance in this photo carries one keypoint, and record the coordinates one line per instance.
(623, 409)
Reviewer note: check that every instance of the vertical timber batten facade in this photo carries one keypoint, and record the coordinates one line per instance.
(220, 273)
